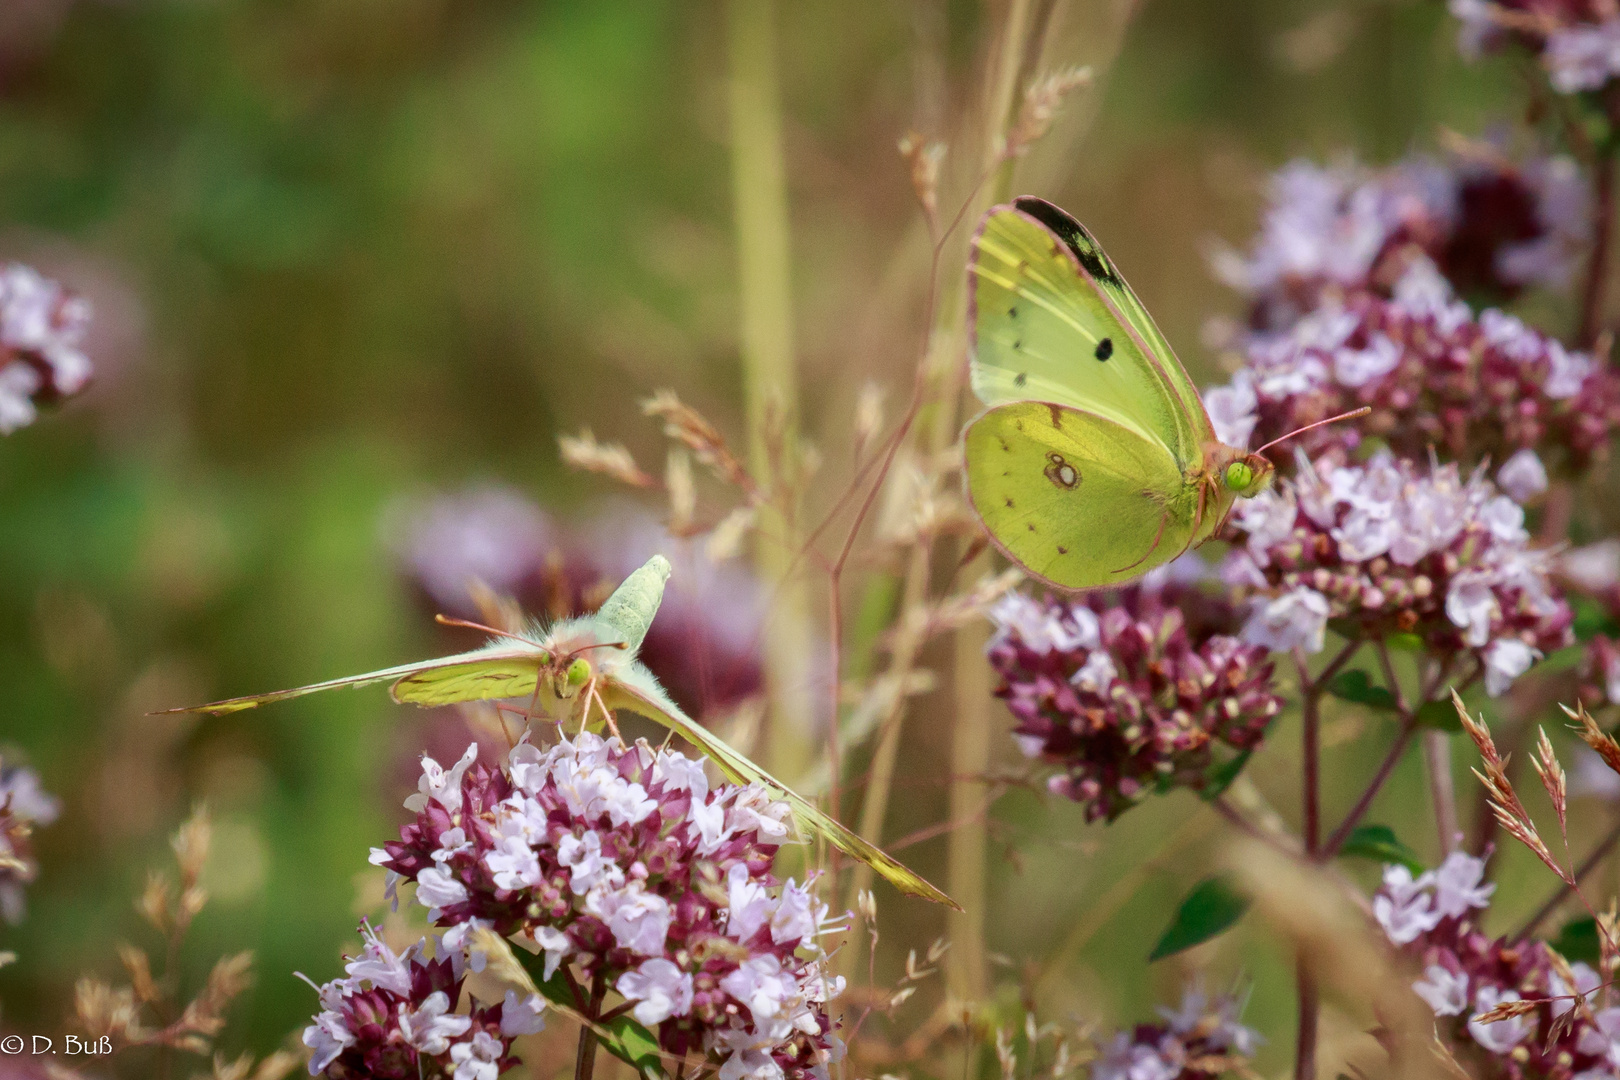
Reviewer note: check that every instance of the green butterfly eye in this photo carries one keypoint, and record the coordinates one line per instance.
(578, 672)
(1239, 476)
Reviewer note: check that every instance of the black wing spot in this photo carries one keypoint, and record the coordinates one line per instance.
(1061, 473)
(1008, 500)
(1021, 378)
(1032, 526)
(1074, 236)
(1018, 343)
(1012, 312)
(1062, 550)
(1105, 348)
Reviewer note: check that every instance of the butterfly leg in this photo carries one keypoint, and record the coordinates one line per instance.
(591, 696)
(1158, 536)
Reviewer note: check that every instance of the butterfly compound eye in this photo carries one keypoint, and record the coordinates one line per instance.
(578, 672)
(1239, 476)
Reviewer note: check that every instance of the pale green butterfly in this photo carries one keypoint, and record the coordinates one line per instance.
(574, 666)
(1096, 460)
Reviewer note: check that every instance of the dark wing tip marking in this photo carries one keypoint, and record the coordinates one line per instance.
(1074, 236)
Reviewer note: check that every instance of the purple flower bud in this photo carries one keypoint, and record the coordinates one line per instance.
(1144, 690)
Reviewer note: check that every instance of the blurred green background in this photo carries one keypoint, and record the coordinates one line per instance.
(342, 250)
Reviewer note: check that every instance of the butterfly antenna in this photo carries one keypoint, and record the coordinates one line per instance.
(468, 624)
(598, 645)
(1351, 415)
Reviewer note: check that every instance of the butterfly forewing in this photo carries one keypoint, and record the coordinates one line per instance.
(471, 676)
(1076, 498)
(1052, 320)
(1124, 300)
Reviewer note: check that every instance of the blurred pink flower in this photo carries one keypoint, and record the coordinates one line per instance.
(41, 327)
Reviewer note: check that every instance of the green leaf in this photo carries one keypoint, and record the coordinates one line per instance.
(1404, 642)
(1379, 842)
(1591, 619)
(1578, 940)
(1439, 715)
(1357, 687)
(1211, 907)
(1220, 777)
(621, 1036)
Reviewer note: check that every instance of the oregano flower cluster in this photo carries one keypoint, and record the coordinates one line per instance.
(628, 865)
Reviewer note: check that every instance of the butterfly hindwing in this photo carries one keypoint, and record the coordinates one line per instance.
(1052, 320)
(1075, 498)
(638, 692)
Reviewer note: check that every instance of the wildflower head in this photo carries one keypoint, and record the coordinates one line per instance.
(1130, 693)
(1432, 375)
(1492, 228)
(1200, 1040)
(1433, 918)
(41, 327)
(1577, 42)
(394, 1016)
(1389, 548)
(629, 865)
(23, 805)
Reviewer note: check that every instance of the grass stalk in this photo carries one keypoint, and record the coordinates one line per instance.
(770, 380)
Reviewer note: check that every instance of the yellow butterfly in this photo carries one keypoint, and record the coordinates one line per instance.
(585, 667)
(1095, 461)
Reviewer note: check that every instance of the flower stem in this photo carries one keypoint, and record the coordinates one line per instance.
(1309, 1007)
(1442, 789)
(585, 1061)
(1597, 271)
(1353, 818)
(1311, 763)
(1311, 771)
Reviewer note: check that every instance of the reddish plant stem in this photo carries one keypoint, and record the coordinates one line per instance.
(1353, 818)
(585, 1060)
(1311, 770)
(1309, 1008)
(1311, 754)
